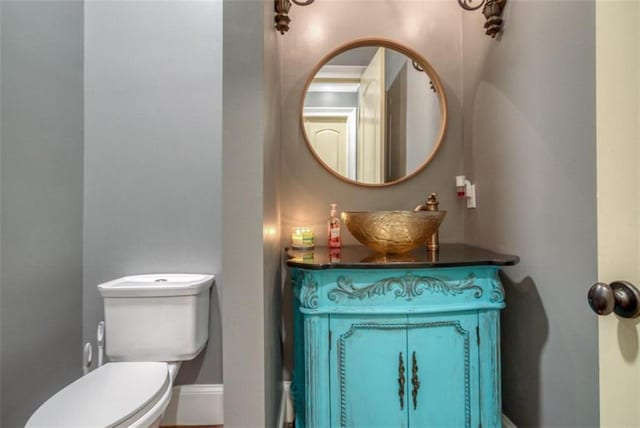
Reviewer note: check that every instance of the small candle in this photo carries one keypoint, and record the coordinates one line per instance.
(302, 237)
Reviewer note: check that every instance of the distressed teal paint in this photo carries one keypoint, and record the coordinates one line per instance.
(489, 323)
(361, 393)
(408, 287)
(355, 328)
(447, 358)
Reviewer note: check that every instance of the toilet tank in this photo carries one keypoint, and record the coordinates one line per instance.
(159, 317)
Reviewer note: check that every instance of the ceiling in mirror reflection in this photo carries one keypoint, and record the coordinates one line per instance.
(372, 115)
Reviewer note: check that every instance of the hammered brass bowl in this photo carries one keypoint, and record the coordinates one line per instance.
(392, 232)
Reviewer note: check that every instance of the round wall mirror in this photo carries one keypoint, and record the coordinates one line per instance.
(374, 112)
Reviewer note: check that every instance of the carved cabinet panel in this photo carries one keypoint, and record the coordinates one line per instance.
(443, 353)
(417, 371)
(370, 357)
(397, 347)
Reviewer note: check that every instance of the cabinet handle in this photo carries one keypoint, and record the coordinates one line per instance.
(401, 380)
(415, 381)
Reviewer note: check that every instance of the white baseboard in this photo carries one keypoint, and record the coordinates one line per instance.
(506, 422)
(282, 412)
(285, 415)
(195, 405)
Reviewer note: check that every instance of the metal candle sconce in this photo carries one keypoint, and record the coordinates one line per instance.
(492, 12)
(282, 13)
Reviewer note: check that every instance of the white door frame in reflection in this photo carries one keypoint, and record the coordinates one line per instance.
(349, 113)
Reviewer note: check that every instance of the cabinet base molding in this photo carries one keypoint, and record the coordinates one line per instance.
(287, 412)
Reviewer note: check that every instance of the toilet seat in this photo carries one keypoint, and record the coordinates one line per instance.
(115, 395)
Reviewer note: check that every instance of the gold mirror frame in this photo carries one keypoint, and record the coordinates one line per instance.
(421, 61)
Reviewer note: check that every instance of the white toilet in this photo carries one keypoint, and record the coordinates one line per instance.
(153, 322)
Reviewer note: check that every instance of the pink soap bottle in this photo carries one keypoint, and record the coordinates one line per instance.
(334, 229)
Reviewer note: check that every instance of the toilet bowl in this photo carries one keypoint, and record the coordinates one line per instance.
(153, 322)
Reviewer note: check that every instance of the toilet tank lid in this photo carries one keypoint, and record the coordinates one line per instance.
(157, 285)
(106, 397)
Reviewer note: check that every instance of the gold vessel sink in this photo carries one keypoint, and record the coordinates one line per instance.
(392, 232)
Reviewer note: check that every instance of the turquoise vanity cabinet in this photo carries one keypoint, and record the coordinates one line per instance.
(409, 341)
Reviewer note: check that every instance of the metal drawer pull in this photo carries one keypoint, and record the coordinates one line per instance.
(401, 380)
(415, 381)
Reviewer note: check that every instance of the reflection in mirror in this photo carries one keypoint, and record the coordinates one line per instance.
(373, 115)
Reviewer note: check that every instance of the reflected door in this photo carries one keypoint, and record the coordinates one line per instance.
(396, 146)
(371, 113)
(618, 141)
(329, 138)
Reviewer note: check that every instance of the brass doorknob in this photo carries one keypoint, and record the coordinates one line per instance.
(620, 297)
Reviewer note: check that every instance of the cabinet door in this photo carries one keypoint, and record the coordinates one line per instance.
(443, 371)
(368, 367)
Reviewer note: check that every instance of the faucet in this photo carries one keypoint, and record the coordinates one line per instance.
(433, 243)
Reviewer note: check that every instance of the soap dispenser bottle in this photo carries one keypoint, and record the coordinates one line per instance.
(334, 229)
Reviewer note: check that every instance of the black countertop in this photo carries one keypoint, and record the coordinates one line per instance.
(361, 257)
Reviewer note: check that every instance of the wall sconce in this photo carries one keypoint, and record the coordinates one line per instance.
(282, 13)
(419, 68)
(492, 12)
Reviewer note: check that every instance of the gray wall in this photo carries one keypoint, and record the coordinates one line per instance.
(393, 62)
(423, 118)
(41, 197)
(251, 239)
(529, 113)
(272, 279)
(529, 145)
(423, 108)
(307, 188)
(1, 73)
(153, 151)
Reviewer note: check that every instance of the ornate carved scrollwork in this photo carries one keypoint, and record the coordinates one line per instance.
(408, 287)
(497, 292)
(308, 290)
